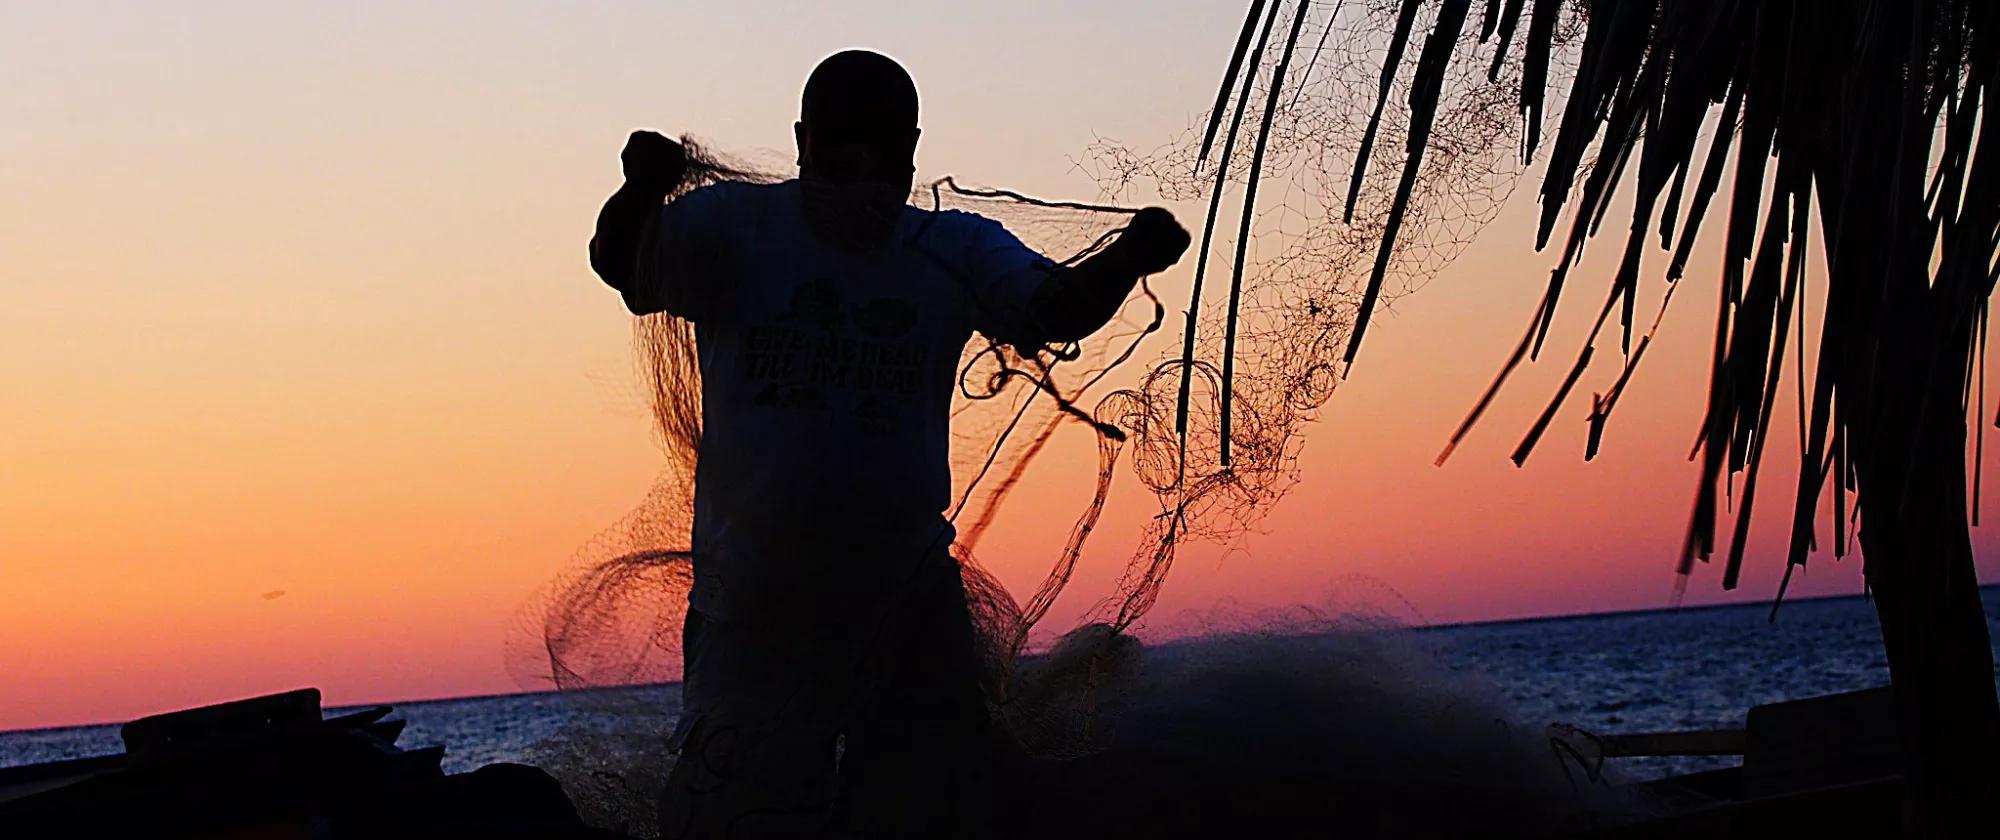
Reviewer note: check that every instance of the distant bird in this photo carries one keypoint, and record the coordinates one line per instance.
(274, 594)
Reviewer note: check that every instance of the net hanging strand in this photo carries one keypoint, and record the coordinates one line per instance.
(1305, 73)
(952, 183)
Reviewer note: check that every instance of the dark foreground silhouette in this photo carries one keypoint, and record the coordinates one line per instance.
(1260, 735)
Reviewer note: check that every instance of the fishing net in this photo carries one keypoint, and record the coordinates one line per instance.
(1210, 421)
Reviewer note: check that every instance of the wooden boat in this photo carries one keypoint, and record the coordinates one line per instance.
(273, 767)
(1823, 766)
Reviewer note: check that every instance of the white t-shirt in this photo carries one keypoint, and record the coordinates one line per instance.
(828, 374)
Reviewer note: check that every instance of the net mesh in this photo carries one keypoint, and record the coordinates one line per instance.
(1210, 422)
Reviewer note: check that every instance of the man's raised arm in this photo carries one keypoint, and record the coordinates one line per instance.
(1078, 301)
(654, 165)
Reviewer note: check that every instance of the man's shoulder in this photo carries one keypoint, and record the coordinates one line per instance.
(953, 217)
(726, 208)
(737, 191)
(959, 227)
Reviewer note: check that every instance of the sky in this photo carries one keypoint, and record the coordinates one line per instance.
(308, 381)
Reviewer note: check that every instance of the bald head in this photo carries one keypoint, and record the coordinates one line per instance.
(860, 91)
(858, 119)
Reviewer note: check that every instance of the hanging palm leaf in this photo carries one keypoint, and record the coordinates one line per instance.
(1863, 118)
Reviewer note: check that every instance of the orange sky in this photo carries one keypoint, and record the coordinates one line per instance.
(295, 300)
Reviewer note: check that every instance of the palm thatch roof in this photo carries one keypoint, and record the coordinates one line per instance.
(1864, 116)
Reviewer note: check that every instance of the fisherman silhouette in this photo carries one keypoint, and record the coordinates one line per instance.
(831, 682)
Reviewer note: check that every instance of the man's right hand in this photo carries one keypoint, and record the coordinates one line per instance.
(653, 161)
(654, 167)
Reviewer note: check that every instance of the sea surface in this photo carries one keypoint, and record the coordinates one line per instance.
(1688, 668)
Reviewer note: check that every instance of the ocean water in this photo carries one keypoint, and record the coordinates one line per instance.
(1691, 668)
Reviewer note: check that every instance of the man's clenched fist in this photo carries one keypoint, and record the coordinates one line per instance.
(654, 161)
(1153, 241)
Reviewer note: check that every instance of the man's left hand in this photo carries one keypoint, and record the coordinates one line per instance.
(1153, 241)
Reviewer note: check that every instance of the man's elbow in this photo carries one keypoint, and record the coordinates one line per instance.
(619, 277)
(635, 302)
(607, 270)
(639, 304)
